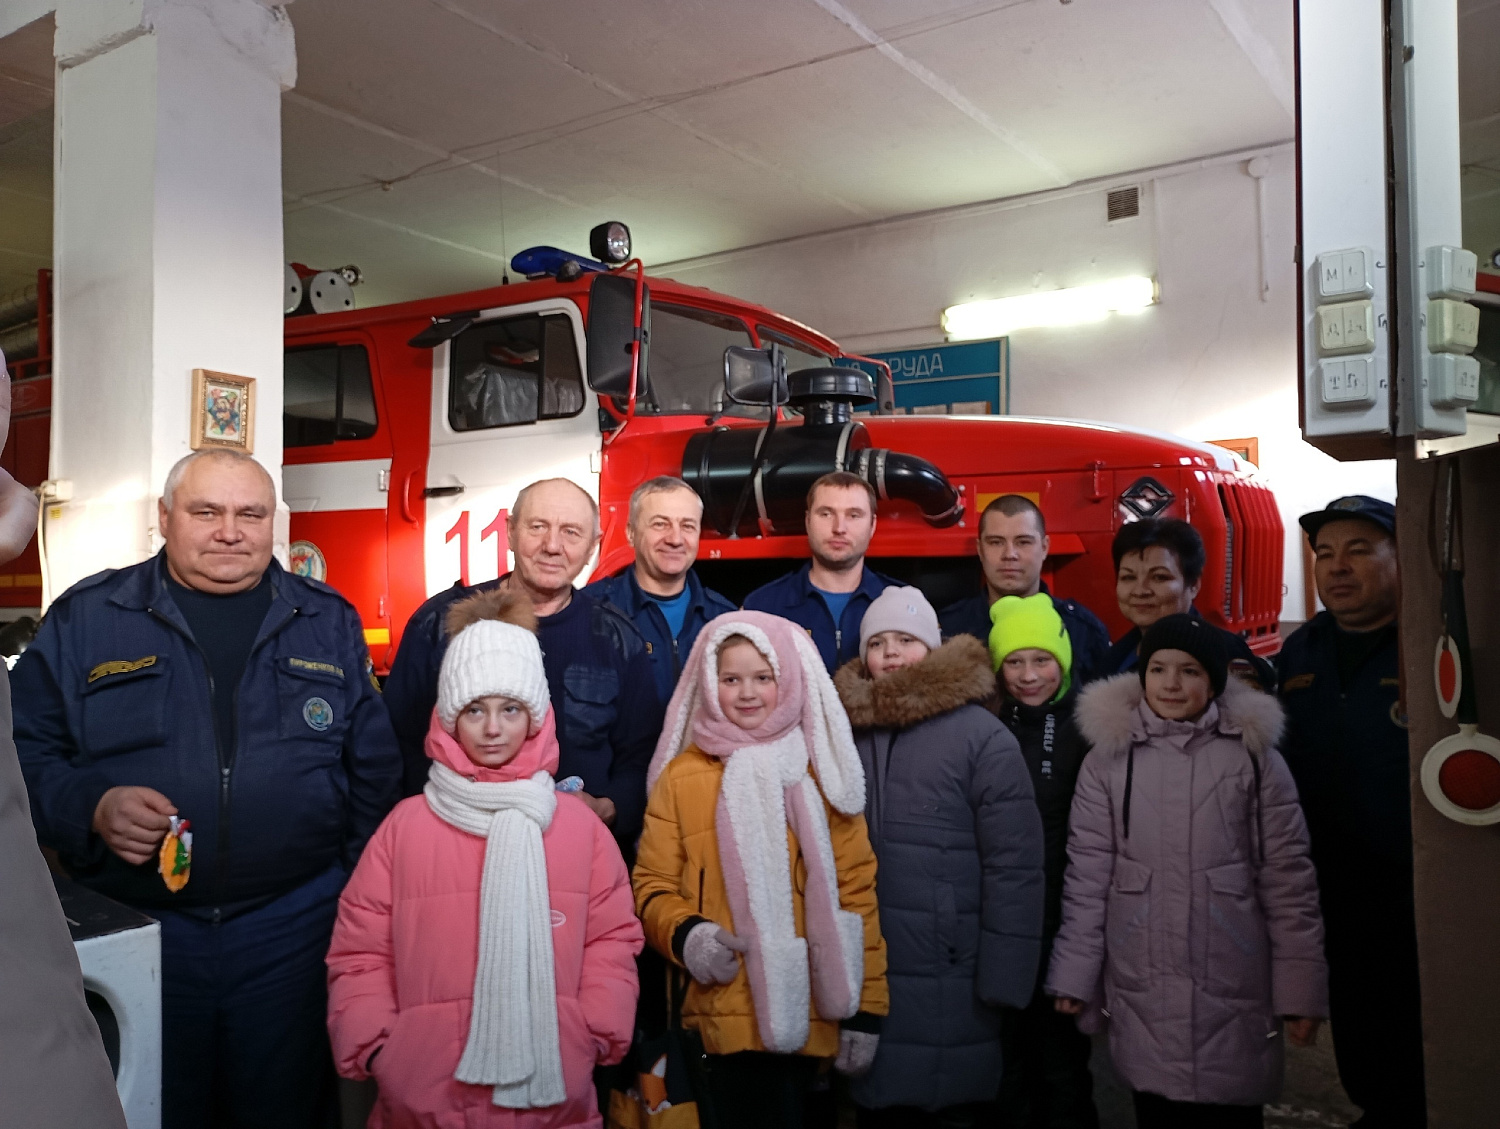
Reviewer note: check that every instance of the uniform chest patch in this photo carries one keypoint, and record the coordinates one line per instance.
(318, 714)
(1297, 682)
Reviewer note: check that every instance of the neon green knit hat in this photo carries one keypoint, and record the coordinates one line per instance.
(1030, 621)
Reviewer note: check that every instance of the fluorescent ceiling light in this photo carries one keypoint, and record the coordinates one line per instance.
(996, 317)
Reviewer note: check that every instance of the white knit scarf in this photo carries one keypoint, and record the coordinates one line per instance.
(513, 1041)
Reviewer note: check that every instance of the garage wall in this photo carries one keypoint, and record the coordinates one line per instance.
(1210, 361)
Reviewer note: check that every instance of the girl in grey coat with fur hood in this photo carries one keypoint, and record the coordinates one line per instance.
(1190, 908)
(956, 830)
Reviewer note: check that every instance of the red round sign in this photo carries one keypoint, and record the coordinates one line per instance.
(1471, 779)
(1447, 675)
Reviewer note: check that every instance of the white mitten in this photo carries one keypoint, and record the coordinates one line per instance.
(709, 953)
(856, 1052)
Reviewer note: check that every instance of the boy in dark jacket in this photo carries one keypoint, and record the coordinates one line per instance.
(1046, 1083)
(956, 832)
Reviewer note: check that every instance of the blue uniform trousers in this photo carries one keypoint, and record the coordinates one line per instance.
(245, 1014)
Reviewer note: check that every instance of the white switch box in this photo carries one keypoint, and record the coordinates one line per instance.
(1348, 327)
(1448, 272)
(1346, 274)
(1347, 382)
(1452, 382)
(1452, 327)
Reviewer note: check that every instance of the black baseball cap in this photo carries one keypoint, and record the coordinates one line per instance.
(1361, 506)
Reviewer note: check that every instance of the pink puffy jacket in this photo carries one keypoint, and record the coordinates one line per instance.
(401, 966)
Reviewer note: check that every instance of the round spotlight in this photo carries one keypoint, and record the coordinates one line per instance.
(610, 242)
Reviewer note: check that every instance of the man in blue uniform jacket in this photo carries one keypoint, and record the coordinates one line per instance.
(829, 595)
(1347, 748)
(603, 694)
(660, 592)
(1013, 547)
(209, 684)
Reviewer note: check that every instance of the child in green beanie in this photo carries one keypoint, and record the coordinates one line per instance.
(1046, 1082)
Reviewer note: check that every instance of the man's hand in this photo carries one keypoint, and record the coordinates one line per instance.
(1068, 1006)
(132, 822)
(1302, 1032)
(602, 806)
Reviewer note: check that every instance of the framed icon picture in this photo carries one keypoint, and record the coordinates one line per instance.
(223, 411)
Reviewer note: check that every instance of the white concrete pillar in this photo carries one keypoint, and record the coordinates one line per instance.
(167, 251)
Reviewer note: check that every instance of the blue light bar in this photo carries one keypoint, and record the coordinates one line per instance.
(536, 262)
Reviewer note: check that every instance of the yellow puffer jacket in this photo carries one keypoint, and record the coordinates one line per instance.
(678, 881)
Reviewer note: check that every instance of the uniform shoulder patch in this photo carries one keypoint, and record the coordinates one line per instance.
(120, 666)
(1390, 682)
(1298, 682)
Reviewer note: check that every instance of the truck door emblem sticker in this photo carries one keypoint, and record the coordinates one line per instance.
(1145, 497)
(307, 560)
(318, 714)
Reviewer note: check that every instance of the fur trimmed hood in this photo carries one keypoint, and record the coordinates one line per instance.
(954, 675)
(1109, 717)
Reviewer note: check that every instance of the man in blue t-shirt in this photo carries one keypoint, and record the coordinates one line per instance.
(660, 593)
(828, 595)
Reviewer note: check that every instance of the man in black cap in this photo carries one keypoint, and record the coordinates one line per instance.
(1346, 745)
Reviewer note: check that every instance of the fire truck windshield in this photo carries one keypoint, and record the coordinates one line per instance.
(686, 360)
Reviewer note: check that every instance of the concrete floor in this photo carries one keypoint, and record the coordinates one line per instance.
(1311, 1099)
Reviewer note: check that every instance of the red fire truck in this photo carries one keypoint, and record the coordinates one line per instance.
(410, 428)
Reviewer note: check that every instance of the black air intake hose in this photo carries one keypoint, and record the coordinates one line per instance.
(715, 464)
(912, 479)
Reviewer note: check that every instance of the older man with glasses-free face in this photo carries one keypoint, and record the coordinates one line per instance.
(210, 685)
(1346, 745)
(660, 592)
(604, 697)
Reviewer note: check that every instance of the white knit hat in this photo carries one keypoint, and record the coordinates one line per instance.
(900, 609)
(491, 654)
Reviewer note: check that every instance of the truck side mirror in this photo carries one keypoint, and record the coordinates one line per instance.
(611, 331)
(755, 377)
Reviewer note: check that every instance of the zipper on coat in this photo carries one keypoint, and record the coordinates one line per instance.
(700, 889)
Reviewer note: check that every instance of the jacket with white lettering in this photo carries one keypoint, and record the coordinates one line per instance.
(115, 691)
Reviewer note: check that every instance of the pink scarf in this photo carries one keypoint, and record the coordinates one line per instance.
(776, 776)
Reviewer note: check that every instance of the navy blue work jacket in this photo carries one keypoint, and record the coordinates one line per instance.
(1347, 749)
(793, 597)
(667, 653)
(1086, 631)
(603, 696)
(115, 691)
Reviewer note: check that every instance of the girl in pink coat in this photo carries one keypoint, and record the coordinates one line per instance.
(484, 957)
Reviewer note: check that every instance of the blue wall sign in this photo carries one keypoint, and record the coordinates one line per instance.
(971, 377)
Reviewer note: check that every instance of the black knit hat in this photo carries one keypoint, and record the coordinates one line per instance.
(1184, 633)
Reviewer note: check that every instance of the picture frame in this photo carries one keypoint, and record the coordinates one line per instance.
(223, 411)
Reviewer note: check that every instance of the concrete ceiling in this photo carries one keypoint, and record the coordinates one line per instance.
(428, 140)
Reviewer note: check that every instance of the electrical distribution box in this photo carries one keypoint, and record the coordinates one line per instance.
(1343, 279)
(1386, 326)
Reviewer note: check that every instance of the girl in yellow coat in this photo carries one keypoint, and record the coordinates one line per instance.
(755, 871)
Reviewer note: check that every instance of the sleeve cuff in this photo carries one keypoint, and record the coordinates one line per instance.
(865, 1021)
(680, 934)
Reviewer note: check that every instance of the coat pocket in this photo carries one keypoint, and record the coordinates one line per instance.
(588, 707)
(1127, 927)
(312, 705)
(1237, 957)
(126, 710)
(945, 912)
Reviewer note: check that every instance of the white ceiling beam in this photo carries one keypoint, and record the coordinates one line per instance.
(421, 146)
(945, 90)
(1261, 52)
(651, 106)
(401, 228)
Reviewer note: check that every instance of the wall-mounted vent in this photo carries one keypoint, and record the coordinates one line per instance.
(1124, 203)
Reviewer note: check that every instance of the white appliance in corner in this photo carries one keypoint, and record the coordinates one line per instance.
(119, 950)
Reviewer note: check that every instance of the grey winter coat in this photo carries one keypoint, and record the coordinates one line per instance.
(1190, 914)
(53, 1070)
(958, 837)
